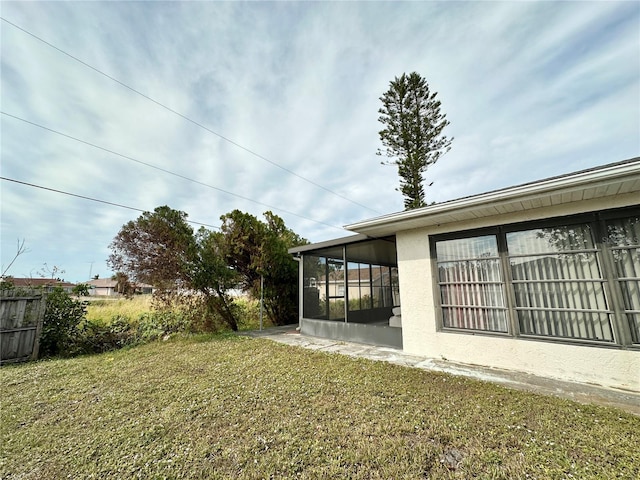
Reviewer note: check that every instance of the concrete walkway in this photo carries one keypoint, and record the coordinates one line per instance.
(625, 400)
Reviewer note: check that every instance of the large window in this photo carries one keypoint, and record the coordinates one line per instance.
(471, 285)
(578, 281)
(557, 283)
(623, 237)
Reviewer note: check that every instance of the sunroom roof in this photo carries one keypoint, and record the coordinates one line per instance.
(359, 248)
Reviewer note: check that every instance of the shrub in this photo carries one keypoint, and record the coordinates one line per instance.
(249, 314)
(73, 327)
(81, 290)
(98, 337)
(156, 325)
(195, 312)
(60, 333)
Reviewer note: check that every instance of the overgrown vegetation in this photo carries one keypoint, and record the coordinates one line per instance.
(101, 310)
(61, 329)
(126, 322)
(80, 325)
(73, 327)
(233, 407)
(161, 249)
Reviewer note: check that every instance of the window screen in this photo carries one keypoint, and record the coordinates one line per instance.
(558, 283)
(623, 237)
(471, 284)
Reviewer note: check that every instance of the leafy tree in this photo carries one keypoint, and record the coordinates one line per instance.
(157, 249)
(280, 271)
(257, 250)
(161, 249)
(123, 285)
(212, 276)
(413, 133)
(81, 290)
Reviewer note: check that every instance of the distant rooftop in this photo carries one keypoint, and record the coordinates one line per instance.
(38, 282)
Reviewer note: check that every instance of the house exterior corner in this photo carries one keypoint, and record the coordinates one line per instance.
(611, 359)
(541, 278)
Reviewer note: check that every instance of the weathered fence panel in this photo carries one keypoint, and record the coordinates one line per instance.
(21, 316)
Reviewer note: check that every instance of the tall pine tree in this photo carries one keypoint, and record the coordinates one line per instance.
(412, 134)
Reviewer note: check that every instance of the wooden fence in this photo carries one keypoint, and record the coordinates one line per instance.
(21, 316)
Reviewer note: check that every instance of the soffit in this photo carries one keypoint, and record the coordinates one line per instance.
(610, 180)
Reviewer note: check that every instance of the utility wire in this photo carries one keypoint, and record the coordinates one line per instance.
(126, 157)
(187, 118)
(94, 199)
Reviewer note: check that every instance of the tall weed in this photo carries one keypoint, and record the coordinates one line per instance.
(101, 311)
(114, 323)
(249, 314)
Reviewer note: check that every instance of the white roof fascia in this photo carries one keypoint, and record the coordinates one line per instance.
(564, 184)
(329, 243)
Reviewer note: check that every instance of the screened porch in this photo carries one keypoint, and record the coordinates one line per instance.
(349, 290)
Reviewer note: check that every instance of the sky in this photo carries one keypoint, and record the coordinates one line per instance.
(209, 107)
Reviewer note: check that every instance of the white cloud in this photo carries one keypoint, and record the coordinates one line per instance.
(531, 90)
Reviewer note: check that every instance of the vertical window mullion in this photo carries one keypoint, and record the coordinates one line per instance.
(326, 288)
(507, 285)
(612, 288)
(370, 286)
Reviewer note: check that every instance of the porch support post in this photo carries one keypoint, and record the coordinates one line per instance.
(300, 288)
(346, 282)
(370, 286)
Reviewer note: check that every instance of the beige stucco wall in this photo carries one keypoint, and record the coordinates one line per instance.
(611, 367)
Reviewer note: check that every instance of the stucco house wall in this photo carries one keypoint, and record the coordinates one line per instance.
(585, 325)
(607, 366)
(102, 287)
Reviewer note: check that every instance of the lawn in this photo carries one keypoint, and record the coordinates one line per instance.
(237, 407)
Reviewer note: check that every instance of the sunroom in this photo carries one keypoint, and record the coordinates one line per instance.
(350, 291)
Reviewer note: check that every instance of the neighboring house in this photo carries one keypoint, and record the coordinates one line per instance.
(102, 287)
(47, 284)
(542, 278)
(144, 289)
(106, 287)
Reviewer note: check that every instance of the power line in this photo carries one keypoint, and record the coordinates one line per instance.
(184, 117)
(95, 199)
(126, 157)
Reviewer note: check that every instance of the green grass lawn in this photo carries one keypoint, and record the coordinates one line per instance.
(236, 407)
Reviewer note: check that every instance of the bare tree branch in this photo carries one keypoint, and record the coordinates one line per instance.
(19, 251)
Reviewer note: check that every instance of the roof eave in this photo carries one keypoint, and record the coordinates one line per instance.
(434, 214)
(329, 243)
